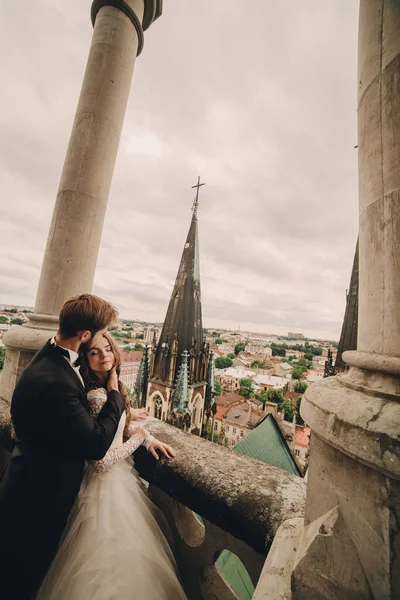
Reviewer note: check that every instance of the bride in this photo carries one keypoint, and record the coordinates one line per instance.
(112, 547)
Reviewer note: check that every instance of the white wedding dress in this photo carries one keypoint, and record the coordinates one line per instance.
(112, 547)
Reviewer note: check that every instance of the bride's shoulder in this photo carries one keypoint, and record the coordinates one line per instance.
(96, 400)
(97, 393)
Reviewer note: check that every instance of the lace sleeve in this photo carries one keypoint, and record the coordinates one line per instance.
(146, 442)
(96, 399)
(114, 455)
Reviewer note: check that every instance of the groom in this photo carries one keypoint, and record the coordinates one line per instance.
(54, 436)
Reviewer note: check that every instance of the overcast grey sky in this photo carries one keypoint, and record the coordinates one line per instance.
(258, 97)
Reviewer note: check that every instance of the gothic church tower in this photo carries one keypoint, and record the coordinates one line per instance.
(172, 381)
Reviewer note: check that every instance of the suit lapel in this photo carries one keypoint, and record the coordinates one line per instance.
(52, 352)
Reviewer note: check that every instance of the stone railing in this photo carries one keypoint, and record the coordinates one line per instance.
(241, 502)
(213, 500)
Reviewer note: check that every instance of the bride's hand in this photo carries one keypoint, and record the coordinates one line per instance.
(164, 448)
(139, 414)
(112, 383)
(141, 431)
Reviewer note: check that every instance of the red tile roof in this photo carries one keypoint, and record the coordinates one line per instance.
(132, 356)
(228, 399)
(302, 436)
(221, 410)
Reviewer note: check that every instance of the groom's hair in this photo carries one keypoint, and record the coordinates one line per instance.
(86, 313)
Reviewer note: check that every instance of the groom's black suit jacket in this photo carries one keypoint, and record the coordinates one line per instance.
(54, 436)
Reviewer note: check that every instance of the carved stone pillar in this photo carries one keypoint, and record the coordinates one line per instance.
(353, 491)
(75, 231)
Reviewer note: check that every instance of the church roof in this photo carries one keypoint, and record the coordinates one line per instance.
(184, 319)
(267, 444)
(348, 336)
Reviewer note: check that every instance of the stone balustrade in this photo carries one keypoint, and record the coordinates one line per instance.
(241, 502)
(213, 500)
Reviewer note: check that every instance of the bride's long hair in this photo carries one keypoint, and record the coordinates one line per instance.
(92, 381)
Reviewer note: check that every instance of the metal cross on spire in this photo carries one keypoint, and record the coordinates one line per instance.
(196, 200)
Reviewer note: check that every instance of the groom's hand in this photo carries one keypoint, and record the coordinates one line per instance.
(139, 414)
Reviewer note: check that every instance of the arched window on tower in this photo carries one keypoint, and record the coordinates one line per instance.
(158, 408)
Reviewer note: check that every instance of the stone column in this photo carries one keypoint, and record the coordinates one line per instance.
(351, 545)
(75, 231)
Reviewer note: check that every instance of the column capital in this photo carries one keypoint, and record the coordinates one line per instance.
(127, 10)
(152, 10)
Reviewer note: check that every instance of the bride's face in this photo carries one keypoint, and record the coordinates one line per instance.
(100, 355)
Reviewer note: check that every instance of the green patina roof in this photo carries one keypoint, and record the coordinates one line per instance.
(267, 444)
(234, 571)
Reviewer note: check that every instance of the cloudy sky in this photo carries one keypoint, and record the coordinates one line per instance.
(260, 101)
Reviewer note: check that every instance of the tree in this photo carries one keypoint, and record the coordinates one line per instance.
(275, 396)
(246, 388)
(239, 348)
(217, 388)
(17, 321)
(138, 346)
(300, 387)
(258, 364)
(139, 336)
(223, 362)
(263, 397)
(278, 351)
(308, 355)
(12, 310)
(2, 357)
(231, 355)
(297, 372)
(3, 319)
(286, 405)
(219, 341)
(127, 348)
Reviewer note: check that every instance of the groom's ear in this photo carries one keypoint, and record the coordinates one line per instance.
(85, 336)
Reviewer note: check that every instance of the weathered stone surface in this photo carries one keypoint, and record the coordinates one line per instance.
(197, 545)
(328, 566)
(243, 496)
(361, 425)
(276, 577)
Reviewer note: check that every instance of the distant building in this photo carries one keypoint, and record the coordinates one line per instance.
(19, 308)
(236, 417)
(314, 376)
(149, 333)
(265, 382)
(282, 370)
(259, 350)
(302, 443)
(295, 336)
(230, 378)
(130, 362)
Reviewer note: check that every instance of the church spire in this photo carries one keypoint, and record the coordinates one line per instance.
(348, 336)
(183, 321)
